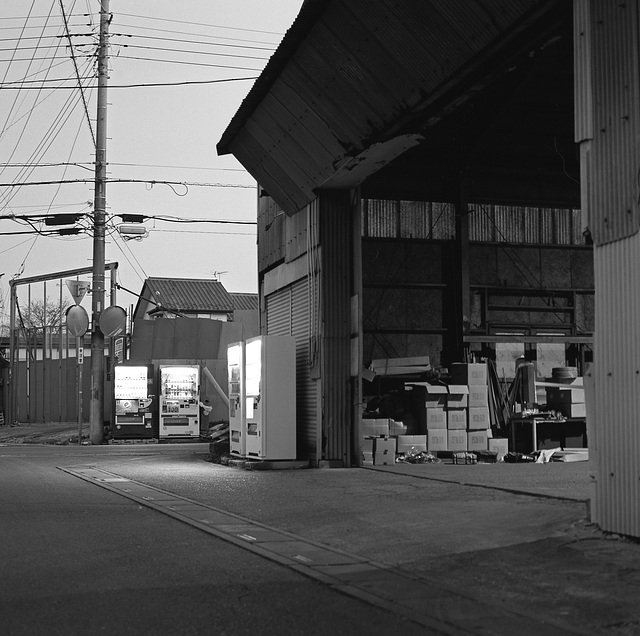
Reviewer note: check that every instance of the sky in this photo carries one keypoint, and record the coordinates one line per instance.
(178, 73)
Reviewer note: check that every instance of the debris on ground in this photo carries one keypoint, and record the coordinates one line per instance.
(416, 457)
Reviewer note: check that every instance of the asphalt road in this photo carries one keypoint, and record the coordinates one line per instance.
(155, 539)
(77, 559)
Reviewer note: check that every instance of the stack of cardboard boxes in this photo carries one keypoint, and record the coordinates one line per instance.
(379, 445)
(456, 416)
(473, 377)
(568, 400)
(448, 418)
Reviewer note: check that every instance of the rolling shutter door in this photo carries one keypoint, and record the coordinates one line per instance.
(288, 315)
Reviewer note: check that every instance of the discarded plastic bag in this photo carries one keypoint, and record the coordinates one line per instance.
(519, 458)
(416, 457)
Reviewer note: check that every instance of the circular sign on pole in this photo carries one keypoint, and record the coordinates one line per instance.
(77, 320)
(113, 321)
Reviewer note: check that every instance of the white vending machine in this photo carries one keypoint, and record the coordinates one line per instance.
(179, 401)
(270, 386)
(237, 419)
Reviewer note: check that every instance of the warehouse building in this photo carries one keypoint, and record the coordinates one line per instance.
(435, 179)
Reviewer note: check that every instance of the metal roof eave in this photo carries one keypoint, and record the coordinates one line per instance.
(314, 141)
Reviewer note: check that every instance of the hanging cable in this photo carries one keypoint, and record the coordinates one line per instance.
(75, 67)
(21, 85)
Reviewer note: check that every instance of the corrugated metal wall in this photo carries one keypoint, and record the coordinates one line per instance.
(487, 223)
(612, 171)
(607, 126)
(614, 425)
(336, 286)
(39, 398)
(288, 315)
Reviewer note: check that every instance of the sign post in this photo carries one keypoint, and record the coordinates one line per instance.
(77, 325)
(80, 358)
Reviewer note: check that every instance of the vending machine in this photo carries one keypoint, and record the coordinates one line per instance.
(237, 419)
(179, 401)
(270, 386)
(134, 396)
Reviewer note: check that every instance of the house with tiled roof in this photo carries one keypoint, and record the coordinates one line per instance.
(191, 298)
(192, 321)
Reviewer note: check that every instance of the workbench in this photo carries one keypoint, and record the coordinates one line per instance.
(530, 434)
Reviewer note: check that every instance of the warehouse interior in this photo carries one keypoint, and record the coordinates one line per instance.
(442, 194)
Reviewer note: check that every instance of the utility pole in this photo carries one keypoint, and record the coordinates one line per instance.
(96, 416)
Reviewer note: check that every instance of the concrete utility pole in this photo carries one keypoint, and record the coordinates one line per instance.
(96, 414)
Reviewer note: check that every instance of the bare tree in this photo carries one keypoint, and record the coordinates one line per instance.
(38, 314)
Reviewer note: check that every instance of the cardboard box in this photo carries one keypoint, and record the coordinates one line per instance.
(565, 396)
(436, 419)
(400, 366)
(572, 410)
(437, 440)
(368, 445)
(478, 419)
(458, 396)
(469, 374)
(387, 446)
(396, 428)
(457, 440)
(407, 442)
(374, 428)
(477, 440)
(384, 459)
(457, 419)
(500, 446)
(478, 397)
(428, 395)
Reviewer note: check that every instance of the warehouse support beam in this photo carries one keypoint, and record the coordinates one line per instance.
(462, 299)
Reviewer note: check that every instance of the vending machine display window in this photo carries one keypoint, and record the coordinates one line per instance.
(134, 402)
(179, 401)
(237, 418)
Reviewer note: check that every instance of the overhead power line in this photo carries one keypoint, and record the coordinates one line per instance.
(192, 34)
(177, 219)
(62, 218)
(20, 85)
(151, 59)
(146, 19)
(200, 24)
(180, 40)
(89, 166)
(147, 181)
(77, 72)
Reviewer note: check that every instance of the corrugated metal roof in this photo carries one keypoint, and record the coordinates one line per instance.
(188, 294)
(245, 302)
(354, 83)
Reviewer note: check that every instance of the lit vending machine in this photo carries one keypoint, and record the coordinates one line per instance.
(237, 419)
(270, 385)
(133, 393)
(179, 401)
